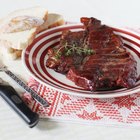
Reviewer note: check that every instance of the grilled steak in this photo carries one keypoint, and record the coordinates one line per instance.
(94, 58)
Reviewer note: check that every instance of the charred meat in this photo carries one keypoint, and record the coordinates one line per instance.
(94, 58)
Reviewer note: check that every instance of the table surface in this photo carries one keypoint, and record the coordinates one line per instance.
(116, 13)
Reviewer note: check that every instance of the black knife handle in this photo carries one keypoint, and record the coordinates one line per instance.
(9, 94)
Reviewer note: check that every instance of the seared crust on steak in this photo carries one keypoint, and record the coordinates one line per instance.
(94, 58)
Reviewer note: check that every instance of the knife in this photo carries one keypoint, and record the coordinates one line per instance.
(33, 93)
(9, 94)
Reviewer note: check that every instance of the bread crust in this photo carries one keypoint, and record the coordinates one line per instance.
(14, 49)
(46, 26)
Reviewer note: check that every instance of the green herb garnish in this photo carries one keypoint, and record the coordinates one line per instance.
(73, 49)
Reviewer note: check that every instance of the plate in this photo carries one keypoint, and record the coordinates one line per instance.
(34, 59)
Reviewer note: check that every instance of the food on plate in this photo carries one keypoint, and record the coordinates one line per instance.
(94, 58)
(19, 28)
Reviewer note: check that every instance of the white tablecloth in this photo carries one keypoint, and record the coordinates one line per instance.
(116, 13)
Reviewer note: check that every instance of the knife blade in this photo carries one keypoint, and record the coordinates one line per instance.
(24, 86)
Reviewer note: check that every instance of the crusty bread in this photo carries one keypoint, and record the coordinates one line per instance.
(52, 21)
(14, 40)
(10, 53)
(12, 44)
(18, 29)
(22, 23)
(37, 11)
(18, 40)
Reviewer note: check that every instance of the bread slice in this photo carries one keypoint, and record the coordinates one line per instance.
(18, 40)
(10, 53)
(52, 21)
(18, 29)
(37, 11)
(13, 43)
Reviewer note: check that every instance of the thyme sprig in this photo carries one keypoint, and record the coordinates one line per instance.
(73, 49)
(77, 50)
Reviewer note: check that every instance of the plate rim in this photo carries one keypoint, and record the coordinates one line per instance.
(87, 95)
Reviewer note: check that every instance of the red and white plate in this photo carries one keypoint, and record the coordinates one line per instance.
(34, 58)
